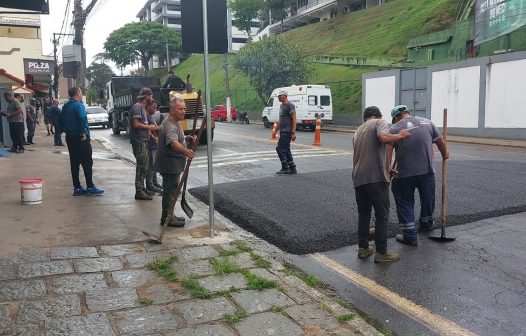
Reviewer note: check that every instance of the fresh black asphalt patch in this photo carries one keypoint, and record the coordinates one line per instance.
(317, 212)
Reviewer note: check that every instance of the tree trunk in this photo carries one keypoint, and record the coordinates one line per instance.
(145, 63)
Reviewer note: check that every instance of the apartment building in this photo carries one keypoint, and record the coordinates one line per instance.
(304, 12)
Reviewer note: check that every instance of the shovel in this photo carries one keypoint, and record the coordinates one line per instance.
(159, 239)
(184, 204)
(443, 238)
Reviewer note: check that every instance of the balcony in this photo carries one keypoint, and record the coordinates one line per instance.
(315, 10)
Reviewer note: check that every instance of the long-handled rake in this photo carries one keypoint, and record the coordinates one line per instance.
(443, 238)
(158, 239)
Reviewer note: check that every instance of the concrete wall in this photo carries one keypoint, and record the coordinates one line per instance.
(485, 97)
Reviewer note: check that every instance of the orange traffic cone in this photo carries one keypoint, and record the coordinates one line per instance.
(317, 133)
(274, 136)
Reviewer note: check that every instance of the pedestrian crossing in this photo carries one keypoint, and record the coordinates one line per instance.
(236, 158)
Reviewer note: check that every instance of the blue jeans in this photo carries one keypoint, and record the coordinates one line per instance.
(58, 135)
(283, 149)
(404, 195)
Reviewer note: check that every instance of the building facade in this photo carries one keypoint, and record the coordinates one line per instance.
(304, 12)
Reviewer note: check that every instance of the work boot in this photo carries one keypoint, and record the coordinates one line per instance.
(141, 195)
(283, 171)
(175, 222)
(157, 185)
(149, 192)
(385, 257)
(292, 170)
(363, 253)
(401, 239)
(154, 189)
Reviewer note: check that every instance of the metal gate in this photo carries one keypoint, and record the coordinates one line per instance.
(413, 91)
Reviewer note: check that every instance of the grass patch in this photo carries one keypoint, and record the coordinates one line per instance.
(340, 301)
(228, 253)
(257, 282)
(236, 317)
(198, 291)
(384, 331)
(224, 266)
(164, 268)
(145, 302)
(347, 317)
(260, 261)
(277, 309)
(242, 247)
(310, 280)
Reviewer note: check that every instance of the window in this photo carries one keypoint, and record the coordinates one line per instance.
(175, 8)
(325, 100)
(270, 102)
(174, 21)
(313, 100)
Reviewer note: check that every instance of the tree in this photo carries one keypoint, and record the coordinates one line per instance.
(140, 41)
(245, 11)
(273, 62)
(98, 74)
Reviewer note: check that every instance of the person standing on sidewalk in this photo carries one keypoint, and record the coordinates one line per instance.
(171, 156)
(74, 122)
(31, 120)
(287, 133)
(151, 176)
(370, 176)
(415, 171)
(54, 113)
(140, 134)
(15, 117)
(47, 116)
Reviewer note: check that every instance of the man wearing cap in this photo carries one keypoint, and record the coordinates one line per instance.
(15, 117)
(287, 133)
(370, 176)
(415, 171)
(140, 134)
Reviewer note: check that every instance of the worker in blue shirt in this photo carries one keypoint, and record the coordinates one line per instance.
(74, 122)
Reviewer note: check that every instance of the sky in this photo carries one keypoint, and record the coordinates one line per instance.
(106, 16)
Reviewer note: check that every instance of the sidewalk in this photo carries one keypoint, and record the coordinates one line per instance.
(81, 266)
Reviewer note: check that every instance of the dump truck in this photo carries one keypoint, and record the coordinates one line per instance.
(121, 93)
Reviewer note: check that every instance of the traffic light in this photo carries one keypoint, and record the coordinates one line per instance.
(192, 26)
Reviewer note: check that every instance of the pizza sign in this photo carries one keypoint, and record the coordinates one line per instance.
(40, 67)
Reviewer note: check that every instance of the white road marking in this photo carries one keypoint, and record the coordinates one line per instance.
(423, 315)
(259, 154)
(274, 157)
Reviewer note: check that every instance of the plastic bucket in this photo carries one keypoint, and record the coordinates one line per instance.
(31, 191)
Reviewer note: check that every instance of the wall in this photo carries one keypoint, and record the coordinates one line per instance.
(485, 96)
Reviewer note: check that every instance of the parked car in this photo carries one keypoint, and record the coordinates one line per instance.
(218, 113)
(97, 116)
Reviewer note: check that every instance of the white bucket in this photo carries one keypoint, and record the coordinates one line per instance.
(31, 191)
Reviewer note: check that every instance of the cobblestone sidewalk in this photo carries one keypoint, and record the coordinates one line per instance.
(169, 290)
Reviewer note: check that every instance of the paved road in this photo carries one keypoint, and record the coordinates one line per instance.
(475, 284)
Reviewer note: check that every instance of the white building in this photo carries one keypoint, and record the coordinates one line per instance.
(168, 12)
(304, 12)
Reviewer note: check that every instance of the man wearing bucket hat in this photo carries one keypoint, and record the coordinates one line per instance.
(74, 122)
(415, 170)
(139, 136)
(287, 133)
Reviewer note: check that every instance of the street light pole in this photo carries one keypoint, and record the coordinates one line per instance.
(208, 124)
(56, 73)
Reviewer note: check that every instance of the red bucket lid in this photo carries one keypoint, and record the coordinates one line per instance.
(30, 180)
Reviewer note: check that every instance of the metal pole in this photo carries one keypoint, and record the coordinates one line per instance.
(167, 58)
(227, 92)
(55, 74)
(208, 124)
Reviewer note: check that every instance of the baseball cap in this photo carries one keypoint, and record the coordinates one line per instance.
(144, 92)
(398, 109)
(283, 93)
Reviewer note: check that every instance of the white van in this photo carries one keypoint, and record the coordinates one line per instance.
(310, 100)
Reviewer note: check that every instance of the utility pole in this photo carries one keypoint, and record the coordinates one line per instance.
(227, 91)
(79, 21)
(167, 58)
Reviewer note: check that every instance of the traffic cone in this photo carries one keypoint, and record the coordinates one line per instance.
(317, 133)
(274, 136)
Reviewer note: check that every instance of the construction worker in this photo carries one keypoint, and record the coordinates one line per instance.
(287, 133)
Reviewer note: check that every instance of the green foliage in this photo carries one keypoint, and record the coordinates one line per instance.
(273, 62)
(257, 282)
(198, 291)
(347, 317)
(260, 261)
(224, 266)
(145, 302)
(236, 317)
(277, 309)
(245, 11)
(140, 40)
(164, 268)
(241, 246)
(228, 253)
(98, 74)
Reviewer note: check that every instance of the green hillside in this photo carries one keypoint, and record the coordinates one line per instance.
(381, 31)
